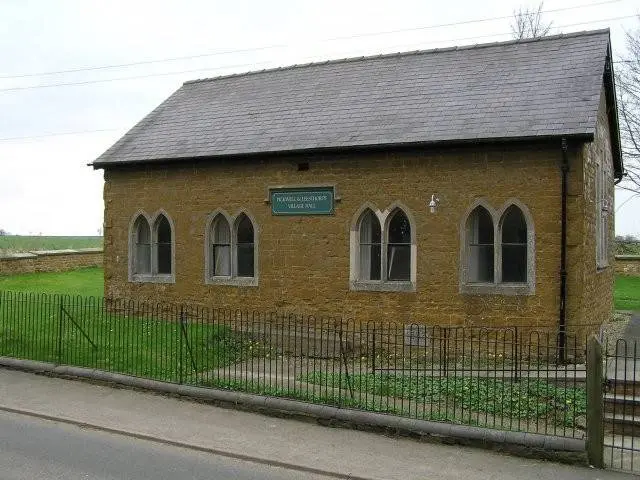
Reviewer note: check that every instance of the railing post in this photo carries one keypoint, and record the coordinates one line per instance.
(373, 351)
(60, 329)
(180, 354)
(444, 351)
(595, 426)
(516, 362)
(346, 366)
(333, 353)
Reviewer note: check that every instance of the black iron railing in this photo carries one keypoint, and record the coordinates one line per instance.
(506, 378)
(622, 403)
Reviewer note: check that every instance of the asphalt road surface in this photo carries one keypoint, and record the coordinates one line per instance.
(35, 449)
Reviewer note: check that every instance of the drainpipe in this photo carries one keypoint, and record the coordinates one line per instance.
(562, 323)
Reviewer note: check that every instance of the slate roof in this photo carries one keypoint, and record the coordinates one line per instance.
(511, 90)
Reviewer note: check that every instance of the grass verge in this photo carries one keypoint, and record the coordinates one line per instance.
(84, 281)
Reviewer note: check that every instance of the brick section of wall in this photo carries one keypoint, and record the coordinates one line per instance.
(628, 265)
(304, 261)
(597, 292)
(51, 261)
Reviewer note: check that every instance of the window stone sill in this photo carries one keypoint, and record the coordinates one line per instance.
(388, 286)
(233, 281)
(153, 279)
(506, 289)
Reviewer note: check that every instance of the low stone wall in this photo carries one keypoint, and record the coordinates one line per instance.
(50, 261)
(628, 265)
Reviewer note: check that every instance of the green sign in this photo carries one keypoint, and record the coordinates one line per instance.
(302, 201)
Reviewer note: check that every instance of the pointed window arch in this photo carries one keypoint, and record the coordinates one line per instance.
(220, 258)
(514, 245)
(383, 250)
(498, 250)
(151, 249)
(399, 247)
(480, 243)
(370, 251)
(231, 251)
(142, 246)
(244, 247)
(163, 245)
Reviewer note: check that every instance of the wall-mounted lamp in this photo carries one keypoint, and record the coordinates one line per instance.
(433, 204)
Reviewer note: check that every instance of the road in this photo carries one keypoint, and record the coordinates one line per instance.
(32, 447)
(35, 449)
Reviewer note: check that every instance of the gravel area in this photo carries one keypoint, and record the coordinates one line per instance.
(614, 329)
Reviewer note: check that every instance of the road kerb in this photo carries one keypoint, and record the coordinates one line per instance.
(544, 445)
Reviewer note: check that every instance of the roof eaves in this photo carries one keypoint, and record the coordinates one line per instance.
(612, 113)
(583, 137)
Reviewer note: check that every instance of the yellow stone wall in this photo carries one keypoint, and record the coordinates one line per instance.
(597, 293)
(304, 261)
(50, 261)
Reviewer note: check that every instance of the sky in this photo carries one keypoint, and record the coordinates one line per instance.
(76, 75)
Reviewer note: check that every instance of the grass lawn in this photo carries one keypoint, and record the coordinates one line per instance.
(21, 243)
(627, 293)
(84, 281)
(85, 333)
(127, 343)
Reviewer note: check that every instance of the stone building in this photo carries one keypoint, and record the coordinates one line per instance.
(460, 186)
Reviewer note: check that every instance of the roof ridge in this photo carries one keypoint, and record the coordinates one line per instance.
(559, 36)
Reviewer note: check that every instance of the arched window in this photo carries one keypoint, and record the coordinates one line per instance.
(498, 251)
(231, 250)
(382, 250)
(399, 247)
(370, 255)
(480, 246)
(142, 246)
(244, 247)
(514, 245)
(163, 245)
(151, 245)
(220, 247)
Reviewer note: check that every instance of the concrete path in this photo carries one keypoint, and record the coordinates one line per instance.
(302, 446)
(626, 364)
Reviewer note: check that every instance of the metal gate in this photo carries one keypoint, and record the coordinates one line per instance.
(621, 402)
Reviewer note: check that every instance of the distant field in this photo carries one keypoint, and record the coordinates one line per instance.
(20, 243)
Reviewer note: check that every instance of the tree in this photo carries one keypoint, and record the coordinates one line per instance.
(3, 232)
(628, 86)
(528, 23)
